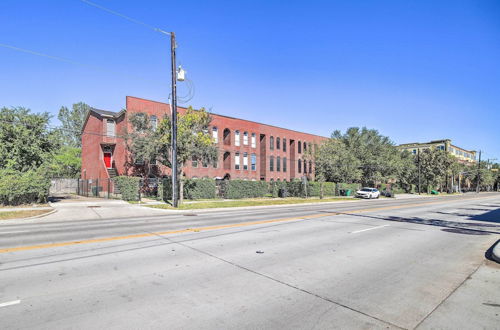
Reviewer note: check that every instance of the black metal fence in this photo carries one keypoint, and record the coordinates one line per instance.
(107, 188)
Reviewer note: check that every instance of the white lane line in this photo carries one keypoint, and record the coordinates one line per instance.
(13, 232)
(359, 231)
(10, 303)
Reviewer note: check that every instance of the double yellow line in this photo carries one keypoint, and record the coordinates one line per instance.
(207, 228)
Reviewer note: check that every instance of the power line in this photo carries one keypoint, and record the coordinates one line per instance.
(70, 61)
(128, 18)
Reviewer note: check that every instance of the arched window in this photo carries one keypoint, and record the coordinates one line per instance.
(245, 138)
(215, 134)
(310, 166)
(278, 164)
(300, 147)
(271, 164)
(153, 121)
(245, 161)
(271, 143)
(305, 166)
(305, 147)
(237, 138)
(299, 166)
(227, 136)
(254, 141)
(284, 144)
(278, 143)
(284, 164)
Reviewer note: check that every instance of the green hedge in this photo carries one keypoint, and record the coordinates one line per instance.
(199, 188)
(18, 188)
(235, 189)
(128, 187)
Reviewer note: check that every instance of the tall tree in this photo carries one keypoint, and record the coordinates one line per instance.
(334, 163)
(72, 123)
(25, 139)
(193, 140)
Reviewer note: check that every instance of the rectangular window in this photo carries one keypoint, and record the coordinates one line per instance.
(253, 160)
(237, 138)
(278, 143)
(110, 127)
(204, 163)
(245, 161)
(215, 134)
(271, 143)
(278, 163)
(284, 164)
(254, 141)
(237, 161)
(194, 162)
(245, 138)
(271, 164)
(284, 145)
(153, 120)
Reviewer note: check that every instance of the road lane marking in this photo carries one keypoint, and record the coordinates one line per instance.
(359, 231)
(13, 232)
(10, 303)
(235, 225)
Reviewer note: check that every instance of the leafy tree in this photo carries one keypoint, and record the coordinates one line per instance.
(25, 140)
(193, 140)
(435, 164)
(72, 121)
(406, 170)
(66, 163)
(334, 163)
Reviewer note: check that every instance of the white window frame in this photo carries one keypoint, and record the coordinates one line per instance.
(245, 161)
(215, 134)
(254, 140)
(153, 120)
(110, 127)
(253, 162)
(237, 138)
(237, 161)
(245, 138)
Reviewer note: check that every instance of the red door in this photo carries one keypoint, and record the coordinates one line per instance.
(107, 159)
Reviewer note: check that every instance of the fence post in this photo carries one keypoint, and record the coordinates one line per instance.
(109, 181)
(97, 188)
(78, 186)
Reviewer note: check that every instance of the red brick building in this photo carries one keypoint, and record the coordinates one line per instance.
(247, 150)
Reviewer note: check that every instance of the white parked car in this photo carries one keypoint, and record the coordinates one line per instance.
(368, 193)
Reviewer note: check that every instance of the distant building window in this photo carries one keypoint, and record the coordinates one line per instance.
(204, 163)
(215, 134)
(284, 144)
(299, 165)
(253, 160)
(254, 141)
(414, 151)
(284, 164)
(271, 143)
(310, 167)
(278, 164)
(278, 143)
(194, 162)
(305, 166)
(305, 149)
(245, 138)
(237, 161)
(271, 164)
(153, 120)
(299, 149)
(237, 138)
(245, 161)
(110, 127)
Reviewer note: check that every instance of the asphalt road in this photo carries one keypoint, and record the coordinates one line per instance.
(368, 264)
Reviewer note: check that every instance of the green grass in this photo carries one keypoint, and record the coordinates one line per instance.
(252, 202)
(7, 215)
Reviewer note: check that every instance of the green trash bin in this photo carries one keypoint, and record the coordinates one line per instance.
(434, 192)
(348, 192)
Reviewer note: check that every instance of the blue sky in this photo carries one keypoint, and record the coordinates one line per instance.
(414, 70)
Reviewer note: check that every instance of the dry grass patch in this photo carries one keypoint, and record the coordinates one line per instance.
(7, 215)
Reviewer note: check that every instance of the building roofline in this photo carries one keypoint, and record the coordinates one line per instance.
(251, 121)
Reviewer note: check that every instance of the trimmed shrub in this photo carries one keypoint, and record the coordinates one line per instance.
(235, 189)
(128, 187)
(23, 187)
(199, 188)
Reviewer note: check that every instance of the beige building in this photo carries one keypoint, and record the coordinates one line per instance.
(463, 155)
